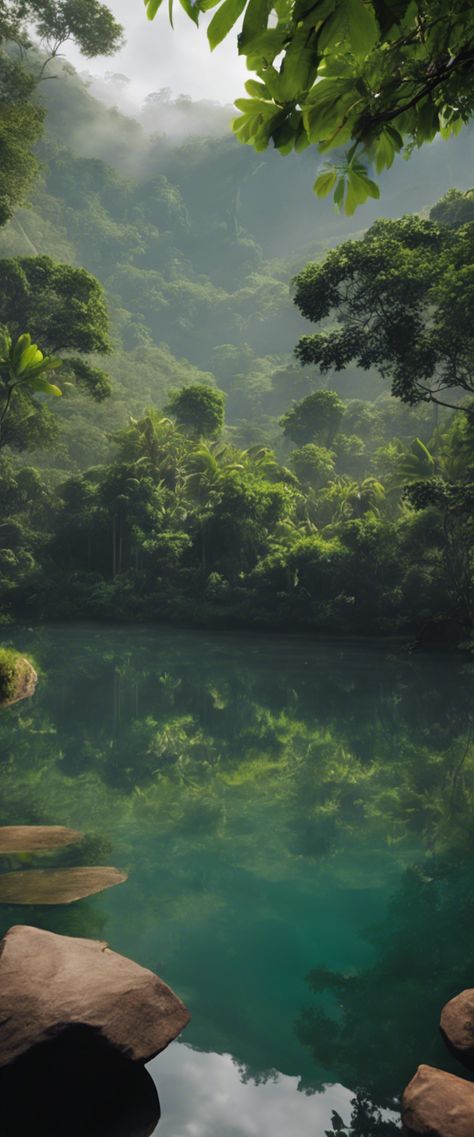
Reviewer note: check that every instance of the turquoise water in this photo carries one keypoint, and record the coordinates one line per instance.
(295, 819)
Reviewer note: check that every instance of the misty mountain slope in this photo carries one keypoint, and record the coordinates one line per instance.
(275, 198)
(196, 251)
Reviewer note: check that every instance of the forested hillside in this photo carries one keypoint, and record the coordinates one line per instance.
(197, 254)
(326, 501)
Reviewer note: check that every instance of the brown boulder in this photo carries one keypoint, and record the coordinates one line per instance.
(457, 1027)
(438, 1104)
(51, 983)
(57, 886)
(36, 838)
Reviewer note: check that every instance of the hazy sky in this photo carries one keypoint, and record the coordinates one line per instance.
(155, 56)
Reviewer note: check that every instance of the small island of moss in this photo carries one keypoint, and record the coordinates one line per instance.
(18, 677)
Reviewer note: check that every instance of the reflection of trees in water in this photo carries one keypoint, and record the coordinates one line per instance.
(80, 919)
(209, 741)
(365, 1121)
(344, 737)
(373, 1029)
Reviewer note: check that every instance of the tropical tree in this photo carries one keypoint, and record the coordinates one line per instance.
(23, 368)
(413, 466)
(358, 76)
(198, 410)
(318, 416)
(24, 25)
(401, 300)
(64, 308)
(156, 447)
(313, 464)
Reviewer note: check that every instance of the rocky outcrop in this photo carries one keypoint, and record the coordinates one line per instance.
(50, 984)
(57, 886)
(457, 1027)
(438, 1104)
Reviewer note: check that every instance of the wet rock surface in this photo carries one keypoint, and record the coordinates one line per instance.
(438, 1104)
(457, 1027)
(51, 983)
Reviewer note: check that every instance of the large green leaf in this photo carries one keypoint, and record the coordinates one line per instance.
(359, 188)
(224, 20)
(325, 182)
(22, 343)
(328, 103)
(152, 7)
(353, 24)
(191, 10)
(39, 383)
(255, 21)
(300, 64)
(362, 26)
(28, 358)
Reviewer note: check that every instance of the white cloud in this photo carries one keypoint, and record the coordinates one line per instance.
(155, 56)
(202, 1095)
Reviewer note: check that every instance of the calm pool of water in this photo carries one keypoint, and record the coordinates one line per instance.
(296, 820)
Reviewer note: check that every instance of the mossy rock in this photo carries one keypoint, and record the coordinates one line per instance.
(18, 677)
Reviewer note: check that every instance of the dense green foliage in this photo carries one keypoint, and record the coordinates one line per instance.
(8, 672)
(339, 510)
(403, 298)
(90, 25)
(65, 307)
(198, 410)
(23, 373)
(179, 528)
(364, 74)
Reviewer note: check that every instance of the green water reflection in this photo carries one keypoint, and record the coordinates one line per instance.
(297, 823)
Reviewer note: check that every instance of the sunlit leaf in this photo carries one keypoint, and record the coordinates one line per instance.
(152, 7)
(224, 20)
(325, 182)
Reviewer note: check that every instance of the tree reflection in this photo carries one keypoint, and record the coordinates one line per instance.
(365, 1121)
(373, 1028)
(231, 775)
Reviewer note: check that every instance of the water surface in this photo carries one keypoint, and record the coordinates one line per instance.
(296, 820)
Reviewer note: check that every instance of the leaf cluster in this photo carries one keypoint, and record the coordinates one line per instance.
(359, 77)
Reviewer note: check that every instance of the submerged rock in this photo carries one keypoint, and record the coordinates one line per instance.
(36, 838)
(438, 1104)
(57, 886)
(50, 984)
(18, 678)
(457, 1027)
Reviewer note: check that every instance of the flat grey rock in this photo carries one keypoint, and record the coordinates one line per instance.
(50, 983)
